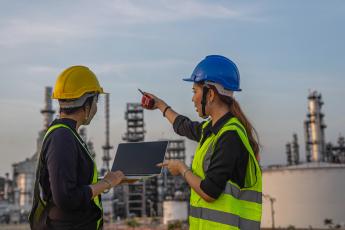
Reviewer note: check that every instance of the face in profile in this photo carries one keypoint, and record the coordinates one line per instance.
(197, 97)
(93, 110)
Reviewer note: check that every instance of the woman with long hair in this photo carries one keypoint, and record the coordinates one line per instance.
(225, 177)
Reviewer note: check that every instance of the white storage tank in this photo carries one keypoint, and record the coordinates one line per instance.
(24, 179)
(107, 204)
(305, 195)
(175, 210)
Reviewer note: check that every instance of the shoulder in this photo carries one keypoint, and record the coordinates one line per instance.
(60, 141)
(229, 135)
(61, 134)
(230, 141)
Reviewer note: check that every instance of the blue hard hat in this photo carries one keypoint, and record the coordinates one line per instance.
(217, 69)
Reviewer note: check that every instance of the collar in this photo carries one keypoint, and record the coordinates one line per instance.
(66, 121)
(220, 123)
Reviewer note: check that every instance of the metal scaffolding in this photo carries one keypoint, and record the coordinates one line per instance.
(336, 153)
(134, 116)
(130, 198)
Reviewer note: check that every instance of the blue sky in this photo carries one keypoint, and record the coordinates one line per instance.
(282, 48)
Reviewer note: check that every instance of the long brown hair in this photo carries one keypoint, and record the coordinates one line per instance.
(237, 112)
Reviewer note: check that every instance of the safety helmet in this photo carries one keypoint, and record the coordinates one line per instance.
(74, 82)
(217, 69)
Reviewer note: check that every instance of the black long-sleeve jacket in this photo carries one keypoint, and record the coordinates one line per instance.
(65, 177)
(229, 159)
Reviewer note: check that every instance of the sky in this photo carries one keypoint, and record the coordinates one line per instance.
(283, 50)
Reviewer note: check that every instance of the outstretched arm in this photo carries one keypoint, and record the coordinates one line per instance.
(169, 113)
(182, 125)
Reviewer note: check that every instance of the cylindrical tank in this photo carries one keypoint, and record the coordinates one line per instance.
(48, 111)
(174, 210)
(316, 128)
(108, 205)
(25, 183)
(6, 187)
(304, 195)
(315, 125)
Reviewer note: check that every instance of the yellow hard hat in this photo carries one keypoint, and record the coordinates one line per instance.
(74, 82)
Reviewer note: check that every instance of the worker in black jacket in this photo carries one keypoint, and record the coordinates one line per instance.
(67, 189)
(225, 177)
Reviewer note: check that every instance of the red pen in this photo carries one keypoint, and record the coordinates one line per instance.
(141, 92)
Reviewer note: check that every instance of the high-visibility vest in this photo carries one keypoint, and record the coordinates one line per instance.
(41, 204)
(235, 208)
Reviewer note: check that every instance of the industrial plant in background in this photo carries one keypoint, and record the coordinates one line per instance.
(307, 194)
(150, 197)
(16, 193)
(141, 199)
(144, 198)
(316, 148)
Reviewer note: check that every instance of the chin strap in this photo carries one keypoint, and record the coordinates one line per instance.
(205, 90)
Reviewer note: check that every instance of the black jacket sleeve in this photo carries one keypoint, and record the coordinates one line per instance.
(62, 160)
(229, 161)
(183, 126)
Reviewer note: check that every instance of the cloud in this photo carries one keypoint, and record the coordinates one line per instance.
(109, 68)
(125, 67)
(166, 11)
(43, 70)
(20, 31)
(107, 17)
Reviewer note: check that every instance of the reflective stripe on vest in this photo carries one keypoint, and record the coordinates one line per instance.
(223, 218)
(247, 195)
(235, 208)
(94, 180)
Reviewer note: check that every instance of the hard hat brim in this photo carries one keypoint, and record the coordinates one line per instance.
(68, 104)
(188, 79)
(191, 79)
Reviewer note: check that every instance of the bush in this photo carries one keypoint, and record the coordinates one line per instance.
(132, 223)
(175, 225)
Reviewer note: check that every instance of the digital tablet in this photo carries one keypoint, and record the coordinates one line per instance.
(139, 160)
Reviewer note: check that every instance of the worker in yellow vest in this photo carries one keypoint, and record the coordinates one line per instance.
(225, 177)
(67, 190)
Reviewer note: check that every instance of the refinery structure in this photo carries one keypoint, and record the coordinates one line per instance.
(305, 193)
(148, 198)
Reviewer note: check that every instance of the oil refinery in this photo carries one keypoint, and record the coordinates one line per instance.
(149, 198)
(297, 195)
(310, 194)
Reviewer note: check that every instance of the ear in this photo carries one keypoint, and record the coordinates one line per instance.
(86, 107)
(211, 95)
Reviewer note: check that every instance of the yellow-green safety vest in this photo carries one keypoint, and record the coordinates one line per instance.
(235, 208)
(97, 200)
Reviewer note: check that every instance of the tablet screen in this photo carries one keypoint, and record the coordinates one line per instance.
(140, 158)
